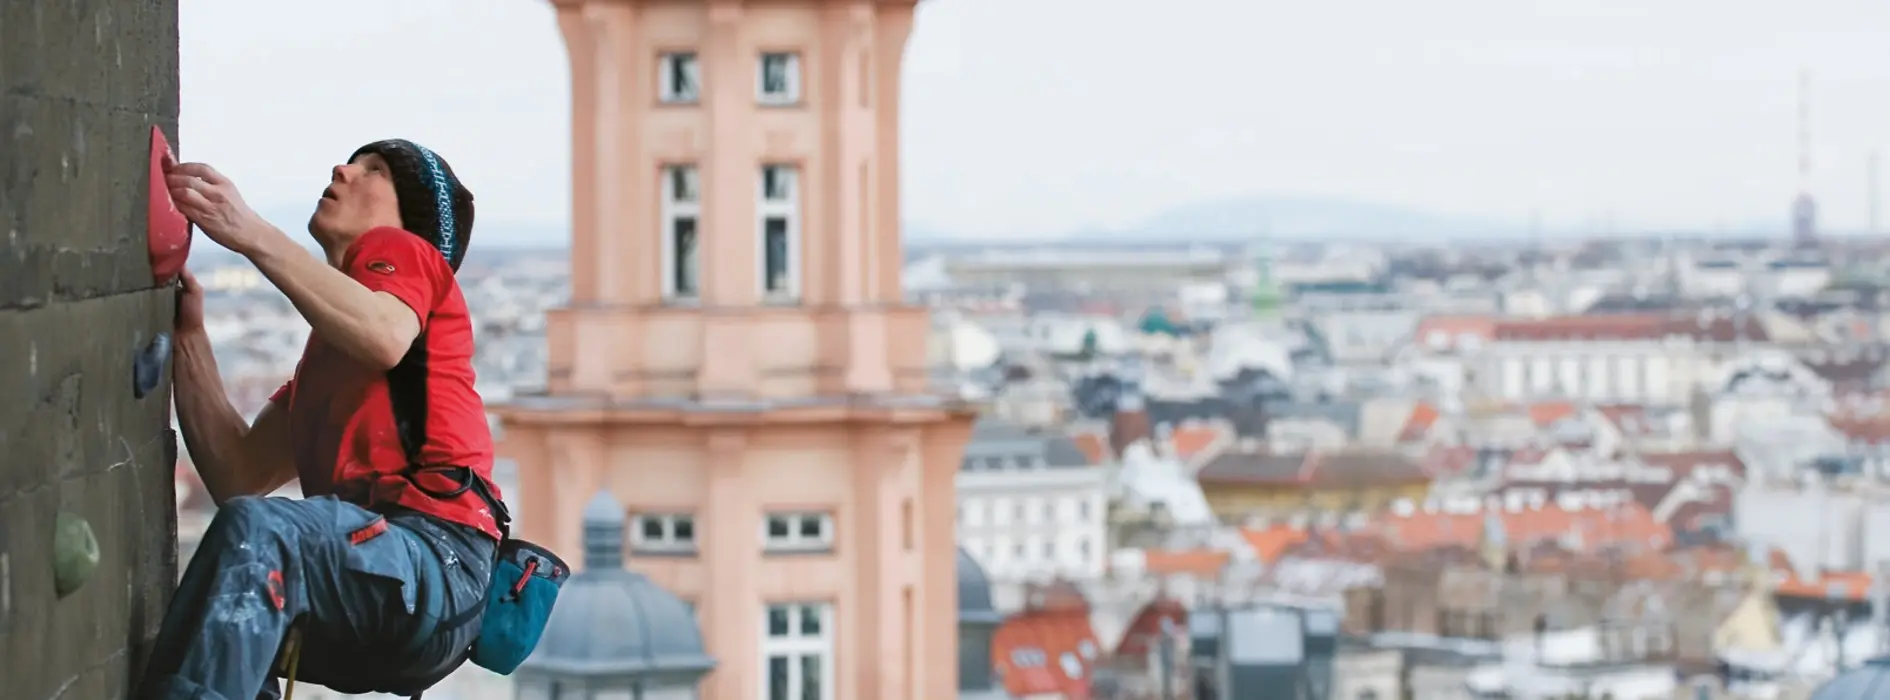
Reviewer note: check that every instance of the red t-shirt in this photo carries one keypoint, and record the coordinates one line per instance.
(342, 423)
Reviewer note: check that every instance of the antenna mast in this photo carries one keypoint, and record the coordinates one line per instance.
(1804, 130)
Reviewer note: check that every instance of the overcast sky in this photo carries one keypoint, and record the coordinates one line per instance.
(1034, 117)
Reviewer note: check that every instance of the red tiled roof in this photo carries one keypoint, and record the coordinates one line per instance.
(1146, 628)
(1596, 327)
(1630, 419)
(1632, 327)
(1200, 563)
(1685, 462)
(1423, 416)
(1343, 468)
(1030, 649)
(1853, 586)
(1094, 445)
(1190, 439)
(1270, 543)
(1447, 332)
(1548, 413)
(1630, 526)
(1865, 429)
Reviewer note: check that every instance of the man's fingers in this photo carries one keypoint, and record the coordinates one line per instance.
(178, 182)
(205, 172)
(191, 201)
(190, 282)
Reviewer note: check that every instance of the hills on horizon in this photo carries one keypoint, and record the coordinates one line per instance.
(1285, 219)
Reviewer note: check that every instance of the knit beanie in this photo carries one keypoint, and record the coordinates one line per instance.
(433, 204)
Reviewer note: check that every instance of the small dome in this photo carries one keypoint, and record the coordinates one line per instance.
(610, 621)
(974, 592)
(1871, 680)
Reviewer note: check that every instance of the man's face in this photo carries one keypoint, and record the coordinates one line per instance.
(360, 196)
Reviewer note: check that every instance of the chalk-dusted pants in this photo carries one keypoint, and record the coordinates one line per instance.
(351, 578)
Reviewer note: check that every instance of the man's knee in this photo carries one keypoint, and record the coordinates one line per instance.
(242, 519)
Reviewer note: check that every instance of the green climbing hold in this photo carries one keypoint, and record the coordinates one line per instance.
(75, 553)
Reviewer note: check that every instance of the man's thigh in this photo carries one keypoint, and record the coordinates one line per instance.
(361, 585)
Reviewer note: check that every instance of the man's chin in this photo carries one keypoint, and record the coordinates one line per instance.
(321, 227)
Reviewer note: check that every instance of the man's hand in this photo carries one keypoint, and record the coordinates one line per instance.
(211, 202)
(189, 316)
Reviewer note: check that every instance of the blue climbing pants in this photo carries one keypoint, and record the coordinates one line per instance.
(360, 586)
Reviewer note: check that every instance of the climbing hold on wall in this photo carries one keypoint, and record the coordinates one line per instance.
(75, 553)
(166, 230)
(147, 369)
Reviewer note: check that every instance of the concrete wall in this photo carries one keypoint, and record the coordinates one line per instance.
(81, 83)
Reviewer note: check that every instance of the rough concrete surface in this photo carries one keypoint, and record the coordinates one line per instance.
(81, 84)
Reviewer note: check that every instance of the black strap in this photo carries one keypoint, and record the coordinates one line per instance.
(464, 479)
(407, 391)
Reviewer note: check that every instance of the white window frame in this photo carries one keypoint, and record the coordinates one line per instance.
(795, 646)
(795, 541)
(666, 88)
(674, 208)
(790, 94)
(788, 208)
(668, 543)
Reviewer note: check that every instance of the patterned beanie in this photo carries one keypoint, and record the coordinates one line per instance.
(433, 205)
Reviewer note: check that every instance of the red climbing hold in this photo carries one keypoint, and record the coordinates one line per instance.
(166, 229)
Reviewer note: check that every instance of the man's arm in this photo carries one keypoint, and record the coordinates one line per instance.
(233, 457)
(372, 327)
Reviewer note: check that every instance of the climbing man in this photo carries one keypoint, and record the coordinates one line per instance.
(380, 572)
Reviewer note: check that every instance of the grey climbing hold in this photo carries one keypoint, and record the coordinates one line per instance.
(75, 553)
(147, 369)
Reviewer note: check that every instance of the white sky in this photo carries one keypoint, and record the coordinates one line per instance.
(1034, 117)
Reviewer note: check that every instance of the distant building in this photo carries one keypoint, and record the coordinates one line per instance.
(1031, 506)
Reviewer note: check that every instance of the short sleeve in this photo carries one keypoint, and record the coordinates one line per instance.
(391, 260)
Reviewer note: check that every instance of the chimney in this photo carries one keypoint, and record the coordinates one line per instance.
(1130, 424)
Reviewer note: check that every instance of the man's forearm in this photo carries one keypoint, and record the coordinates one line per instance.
(343, 313)
(213, 431)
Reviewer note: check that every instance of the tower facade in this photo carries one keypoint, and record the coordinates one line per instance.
(736, 363)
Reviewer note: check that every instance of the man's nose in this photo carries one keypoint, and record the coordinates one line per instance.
(339, 174)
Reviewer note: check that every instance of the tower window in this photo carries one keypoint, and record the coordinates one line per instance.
(679, 78)
(797, 532)
(682, 214)
(797, 647)
(779, 233)
(663, 534)
(780, 79)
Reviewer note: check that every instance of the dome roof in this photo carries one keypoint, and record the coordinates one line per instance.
(974, 592)
(1871, 680)
(610, 621)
